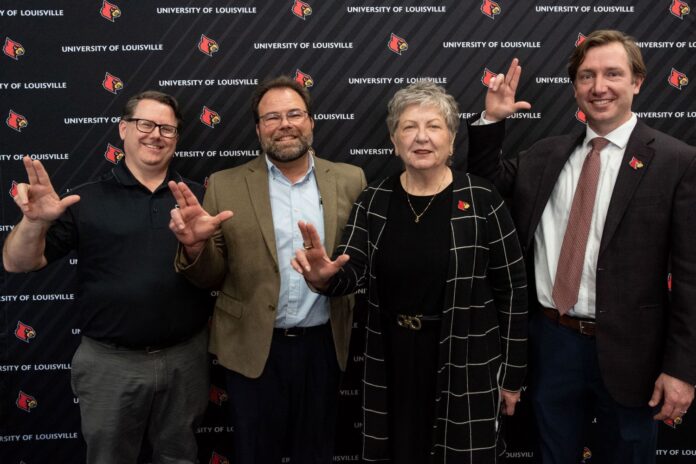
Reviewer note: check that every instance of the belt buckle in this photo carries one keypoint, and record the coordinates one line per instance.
(287, 332)
(584, 324)
(409, 322)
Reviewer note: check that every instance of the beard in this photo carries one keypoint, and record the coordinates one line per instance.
(286, 152)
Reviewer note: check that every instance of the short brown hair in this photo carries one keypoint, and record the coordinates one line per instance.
(157, 96)
(279, 83)
(604, 37)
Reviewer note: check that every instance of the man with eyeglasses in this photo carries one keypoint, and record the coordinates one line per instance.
(141, 370)
(282, 346)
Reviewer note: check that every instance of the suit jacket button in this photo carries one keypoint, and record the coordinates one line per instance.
(271, 307)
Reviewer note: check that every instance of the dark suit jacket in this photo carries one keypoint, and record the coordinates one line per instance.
(642, 328)
(243, 260)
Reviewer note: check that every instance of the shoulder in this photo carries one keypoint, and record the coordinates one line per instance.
(341, 168)
(226, 175)
(661, 141)
(93, 186)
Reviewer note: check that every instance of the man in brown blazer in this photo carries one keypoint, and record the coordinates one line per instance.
(607, 339)
(282, 345)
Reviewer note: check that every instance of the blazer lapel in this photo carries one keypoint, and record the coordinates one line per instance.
(326, 181)
(627, 181)
(554, 160)
(257, 183)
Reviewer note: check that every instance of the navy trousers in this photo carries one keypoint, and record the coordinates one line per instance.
(290, 410)
(567, 393)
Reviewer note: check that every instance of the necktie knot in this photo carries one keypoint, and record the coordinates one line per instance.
(598, 143)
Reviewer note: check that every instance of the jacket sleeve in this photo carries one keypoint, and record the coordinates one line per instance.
(486, 158)
(506, 274)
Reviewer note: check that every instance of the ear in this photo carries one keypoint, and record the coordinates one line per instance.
(393, 141)
(454, 137)
(311, 122)
(257, 130)
(122, 129)
(637, 82)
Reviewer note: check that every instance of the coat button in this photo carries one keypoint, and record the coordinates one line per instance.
(271, 307)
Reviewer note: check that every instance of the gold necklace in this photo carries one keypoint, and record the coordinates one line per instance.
(408, 199)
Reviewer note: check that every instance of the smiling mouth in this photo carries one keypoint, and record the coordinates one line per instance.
(152, 146)
(603, 102)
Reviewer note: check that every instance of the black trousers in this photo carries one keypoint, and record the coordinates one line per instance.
(290, 410)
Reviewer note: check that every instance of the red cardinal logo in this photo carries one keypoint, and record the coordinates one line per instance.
(218, 459)
(586, 455)
(397, 44)
(580, 116)
(112, 83)
(463, 205)
(490, 9)
(24, 332)
(679, 8)
(673, 422)
(209, 117)
(487, 76)
(635, 163)
(26, 402)
(13, 189)
(16, 121)
(669, 282)
(217, 395)
(113, 154)
(303, 79)
(208, 45)
(581, 39)
(301, 9)
(110, 11)
(13, 49)
(677, 79)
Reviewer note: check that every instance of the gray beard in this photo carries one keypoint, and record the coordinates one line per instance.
(287, 154)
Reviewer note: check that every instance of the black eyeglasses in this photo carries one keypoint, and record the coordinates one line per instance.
(147, 126)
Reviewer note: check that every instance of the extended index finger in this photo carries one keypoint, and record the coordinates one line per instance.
(512, 76)
(182, 194)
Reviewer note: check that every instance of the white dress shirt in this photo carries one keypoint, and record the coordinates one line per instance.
(549, 234)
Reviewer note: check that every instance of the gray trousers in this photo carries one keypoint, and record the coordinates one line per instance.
(123, 393)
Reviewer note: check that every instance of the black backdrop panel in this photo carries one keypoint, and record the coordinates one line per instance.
(68, 67)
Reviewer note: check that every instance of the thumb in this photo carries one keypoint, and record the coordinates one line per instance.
(69, 200)
(223, 216)
(522, 105)
(341, 260)
(657, 395)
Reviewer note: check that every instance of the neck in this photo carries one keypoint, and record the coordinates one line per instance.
(430, 182)
(151, 179)
(294, 170)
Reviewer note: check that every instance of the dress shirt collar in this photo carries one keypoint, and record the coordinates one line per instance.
(275, 172)
(618, 137)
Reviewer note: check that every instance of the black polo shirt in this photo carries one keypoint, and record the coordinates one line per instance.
(129, 292)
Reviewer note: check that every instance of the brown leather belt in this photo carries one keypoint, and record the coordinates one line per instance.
(582, 326)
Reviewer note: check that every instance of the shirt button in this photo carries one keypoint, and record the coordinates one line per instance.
(154, 210)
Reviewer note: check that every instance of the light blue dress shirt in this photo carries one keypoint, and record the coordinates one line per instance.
(297, 306)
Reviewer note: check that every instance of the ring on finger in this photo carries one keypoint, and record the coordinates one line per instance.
(307, 247)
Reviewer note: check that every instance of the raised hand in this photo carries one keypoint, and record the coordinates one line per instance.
(38, 199)
(500, 98)
(312, 261)
(191, 224)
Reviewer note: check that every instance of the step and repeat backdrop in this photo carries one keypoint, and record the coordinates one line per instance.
(67, 68)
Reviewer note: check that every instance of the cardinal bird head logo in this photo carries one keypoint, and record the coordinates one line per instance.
(13, 189)
(16, 121)
(580, 116)
(113, 154)
(209, 117)
(673, 422)
(26, 402)
(301, 9)
(112, 83)
(397, 44)
(110, 11)
(304, 79)
(677, 79)
(581, 38)
(13, 49)
(24, 332)
(208, 45)
(586, 455)
(490, 9)
(218, 459)
(217, 395)
(487, 76)
(679, 9)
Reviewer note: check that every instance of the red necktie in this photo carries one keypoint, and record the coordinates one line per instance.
(570, 262)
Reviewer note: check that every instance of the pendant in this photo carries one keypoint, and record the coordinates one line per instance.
(417, 219)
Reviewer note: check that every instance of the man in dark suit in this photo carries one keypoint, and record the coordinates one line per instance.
(601, 231)
(282, 346)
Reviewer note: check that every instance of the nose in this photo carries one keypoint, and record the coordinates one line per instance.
(421, 135)
(599, 86)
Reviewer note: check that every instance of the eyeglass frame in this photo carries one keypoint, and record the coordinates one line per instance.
(263, 118)
(155, 126)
